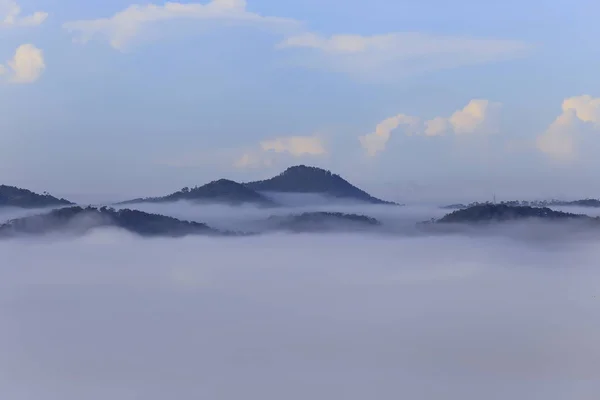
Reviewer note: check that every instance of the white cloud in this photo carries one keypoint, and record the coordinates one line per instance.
(557, 142)
(125, 25)
(437, 126)
(375, 142)
(586, 108)
(479, 116)
(26, 66)
(579, 113)
(296, 146)
(10, 15)
(400, 53)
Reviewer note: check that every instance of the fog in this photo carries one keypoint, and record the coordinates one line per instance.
(251, 218)
(110, 316)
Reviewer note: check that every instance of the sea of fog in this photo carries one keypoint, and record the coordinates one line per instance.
(111, 316)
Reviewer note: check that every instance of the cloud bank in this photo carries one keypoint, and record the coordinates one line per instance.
(108, 316)
(381, 56)
(479, 116)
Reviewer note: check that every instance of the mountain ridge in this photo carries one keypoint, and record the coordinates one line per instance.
(588, 203)
(488, 212)
(12, 196)
(305, 179)
(220, 191)
(79, 219)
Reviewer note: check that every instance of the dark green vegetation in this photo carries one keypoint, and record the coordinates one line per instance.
(458, 206)
(303, 179)
(504, 212)
(79, 220)
(11, 196)
(592, 203)
(324, 221)
(221, 191)
(299, 179)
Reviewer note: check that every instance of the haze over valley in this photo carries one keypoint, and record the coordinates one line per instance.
(299, 294)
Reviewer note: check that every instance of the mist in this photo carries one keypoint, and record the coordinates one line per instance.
(252, 218)
(111, 316)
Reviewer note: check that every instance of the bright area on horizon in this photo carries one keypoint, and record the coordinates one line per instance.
(408, 100)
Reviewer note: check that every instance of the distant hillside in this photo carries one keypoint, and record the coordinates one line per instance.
(504, 212)
(11, 196)
(592, 203)
(221, 191)
(79, 220)
(457, 206)
(323, 221)
(303, 179)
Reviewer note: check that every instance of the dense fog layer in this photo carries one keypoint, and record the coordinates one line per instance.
(249, 218)
(111, 316)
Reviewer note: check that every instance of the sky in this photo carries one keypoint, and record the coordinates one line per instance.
(413, 101)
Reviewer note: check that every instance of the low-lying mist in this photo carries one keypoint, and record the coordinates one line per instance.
(250, 218)
(109, 316)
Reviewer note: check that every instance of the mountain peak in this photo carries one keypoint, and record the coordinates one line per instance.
(306, 179)
(305, 168)
(298, 170)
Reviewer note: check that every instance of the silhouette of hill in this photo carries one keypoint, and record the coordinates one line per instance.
(323, 221)
(457, 206)
(219, 191)
(504, 212)
(591, 203)
(11, 196)
(303, 179)
(80, 220)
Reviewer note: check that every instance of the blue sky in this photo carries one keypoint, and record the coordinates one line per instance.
(102, 99)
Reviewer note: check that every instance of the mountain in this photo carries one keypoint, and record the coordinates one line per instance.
(220, 191)
(504, 212)
(303, 179)
(456, 206)
(591, 203)
(80, 220)
(11, 196)
(323, 221)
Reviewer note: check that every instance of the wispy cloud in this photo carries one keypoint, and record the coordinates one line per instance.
(11, 15)
(479, 116)
(121, 28)
(398, 54)
(26, 66)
